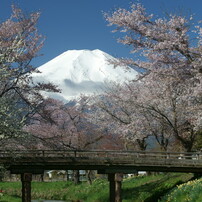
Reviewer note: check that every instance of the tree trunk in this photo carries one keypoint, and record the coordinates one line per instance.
(76, 176)
(89, 175)
(68, 175)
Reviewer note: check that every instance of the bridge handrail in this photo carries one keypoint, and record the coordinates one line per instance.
(100, 153)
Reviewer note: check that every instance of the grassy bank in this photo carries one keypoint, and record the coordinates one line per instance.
(187, 192)
(142, 188)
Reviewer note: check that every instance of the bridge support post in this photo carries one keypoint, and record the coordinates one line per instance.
(26, 179)
(115, 182)
(118, 181)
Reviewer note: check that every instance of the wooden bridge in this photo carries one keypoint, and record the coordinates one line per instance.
(113, 163)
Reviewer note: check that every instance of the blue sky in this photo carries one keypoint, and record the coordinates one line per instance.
(79, 24)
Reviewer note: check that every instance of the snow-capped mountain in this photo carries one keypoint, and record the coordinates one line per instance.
(81, 71)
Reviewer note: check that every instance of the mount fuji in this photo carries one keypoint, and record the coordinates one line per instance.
(78, 72)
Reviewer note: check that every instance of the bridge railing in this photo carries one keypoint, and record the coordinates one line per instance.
(99, 154)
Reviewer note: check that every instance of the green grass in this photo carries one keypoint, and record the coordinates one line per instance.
(142, 188)
(151, 188)
(187, 192)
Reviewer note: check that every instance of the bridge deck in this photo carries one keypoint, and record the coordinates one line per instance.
(36, 161)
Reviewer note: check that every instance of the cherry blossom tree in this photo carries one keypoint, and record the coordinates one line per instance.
(117, 111)
(121, 111)
(19, 96)
(173, 107)
(170, 95)
(61, 126)
(162, 42)
(138, 111)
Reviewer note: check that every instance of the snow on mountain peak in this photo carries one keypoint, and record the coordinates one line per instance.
(81, 71)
